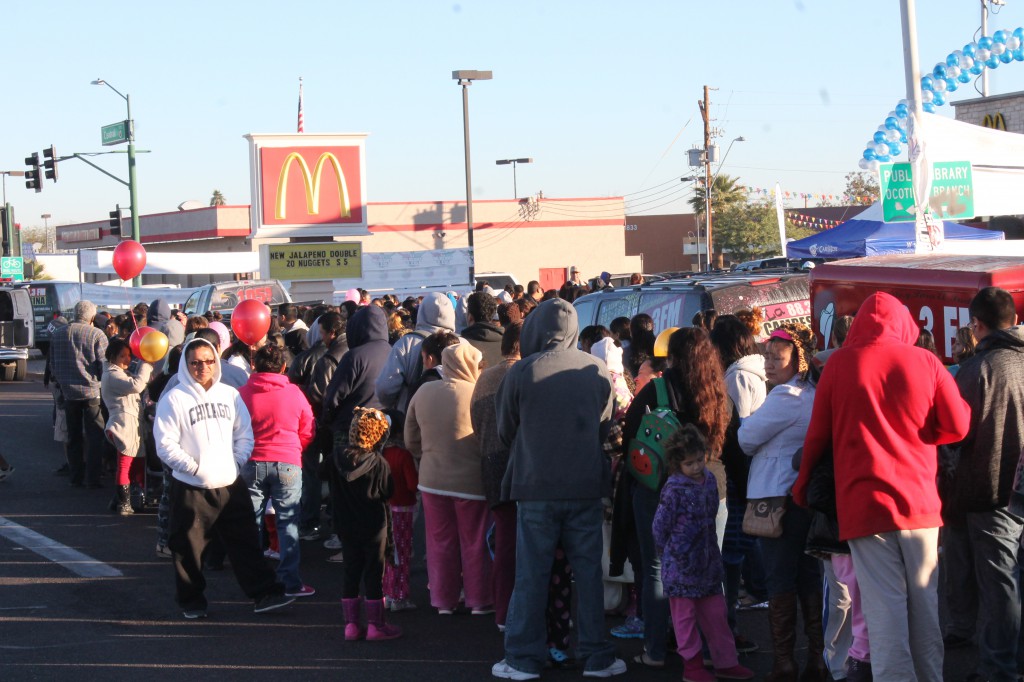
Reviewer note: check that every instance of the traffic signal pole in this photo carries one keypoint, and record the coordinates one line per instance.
(132, 185)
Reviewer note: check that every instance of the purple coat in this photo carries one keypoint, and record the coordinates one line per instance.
(685, 537)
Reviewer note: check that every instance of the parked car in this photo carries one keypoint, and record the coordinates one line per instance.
(222, 297)
(781, 294)
(17, 331)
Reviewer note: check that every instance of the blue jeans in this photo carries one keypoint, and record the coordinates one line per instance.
(655, 603)
(282, 483)
(540, 526)
(983, 554)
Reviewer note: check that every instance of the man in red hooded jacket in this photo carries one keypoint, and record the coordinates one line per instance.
(883, 406)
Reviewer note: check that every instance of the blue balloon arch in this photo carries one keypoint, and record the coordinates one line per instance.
(960, 67)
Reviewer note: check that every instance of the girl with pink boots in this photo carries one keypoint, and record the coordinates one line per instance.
(362, 500)
(691, 563)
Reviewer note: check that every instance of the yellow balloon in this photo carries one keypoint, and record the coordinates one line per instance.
(153, 346)
(660, 343)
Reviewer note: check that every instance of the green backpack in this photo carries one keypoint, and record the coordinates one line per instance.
(646, 461)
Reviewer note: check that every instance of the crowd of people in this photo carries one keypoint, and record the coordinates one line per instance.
(563, 473)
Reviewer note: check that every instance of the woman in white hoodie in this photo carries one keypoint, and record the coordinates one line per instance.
(204, 434)
(745, 380)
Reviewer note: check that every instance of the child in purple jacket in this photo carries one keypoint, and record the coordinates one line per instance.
(691, 563)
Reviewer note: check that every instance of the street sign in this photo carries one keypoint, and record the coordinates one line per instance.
(115, 133)
(12, 268)
(951, 195)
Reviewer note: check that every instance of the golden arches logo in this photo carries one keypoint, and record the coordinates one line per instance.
(311, 183)
(996, 122)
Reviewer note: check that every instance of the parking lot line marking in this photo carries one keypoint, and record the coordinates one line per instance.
(71, 559)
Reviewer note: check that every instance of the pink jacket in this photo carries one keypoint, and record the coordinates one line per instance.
(282, 422)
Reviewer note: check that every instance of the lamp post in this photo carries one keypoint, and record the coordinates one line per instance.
(465, 78)
(132, 186)
(707, 192)
(505, 162)
(46, 228)
(15, 173)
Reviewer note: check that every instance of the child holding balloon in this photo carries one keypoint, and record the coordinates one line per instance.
(122, 390)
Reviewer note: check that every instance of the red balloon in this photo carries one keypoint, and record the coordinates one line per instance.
(250, 320)
(136, 338)
(129, 259)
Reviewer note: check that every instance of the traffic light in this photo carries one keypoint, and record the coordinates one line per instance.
(33, 176)
(115, 222)
(50, 164)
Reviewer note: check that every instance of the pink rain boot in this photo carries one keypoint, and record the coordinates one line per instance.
(353, 609)
(376, 628)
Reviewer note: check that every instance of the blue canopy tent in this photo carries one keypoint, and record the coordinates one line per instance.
(866, 234)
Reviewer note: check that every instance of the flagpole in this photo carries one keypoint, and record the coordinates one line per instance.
(300, 122)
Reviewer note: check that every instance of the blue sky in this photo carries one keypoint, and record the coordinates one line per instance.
(602, 95)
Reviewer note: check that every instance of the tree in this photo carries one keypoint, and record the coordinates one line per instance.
(862, 188)
(217, 199)
(724, 192)
(751, 230)
(38, 271)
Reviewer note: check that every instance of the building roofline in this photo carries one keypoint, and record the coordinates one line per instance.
(990, 98)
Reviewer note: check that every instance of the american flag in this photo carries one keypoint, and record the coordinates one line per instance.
(300, 105)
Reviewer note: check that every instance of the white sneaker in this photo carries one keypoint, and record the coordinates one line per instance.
(506, 672)
(617, 667)
(332, 542)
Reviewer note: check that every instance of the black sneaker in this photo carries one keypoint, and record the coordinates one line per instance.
(194, 614)
(269, 602)
(312, 533)
(744, 645)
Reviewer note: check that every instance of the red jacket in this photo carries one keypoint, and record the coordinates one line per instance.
(403, 475)
(282, 422)
(883, 406)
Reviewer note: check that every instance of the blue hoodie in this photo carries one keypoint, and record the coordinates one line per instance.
(352, 384)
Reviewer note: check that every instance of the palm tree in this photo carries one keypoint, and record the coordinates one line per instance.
(217, 199)
(724, 192)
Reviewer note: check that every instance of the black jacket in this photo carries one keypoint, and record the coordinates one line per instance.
(352, 384)
(486, 338)
(324, 370)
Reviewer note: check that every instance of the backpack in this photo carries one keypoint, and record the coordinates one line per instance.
(646, 460)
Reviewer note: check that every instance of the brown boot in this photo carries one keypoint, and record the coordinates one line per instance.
(782, 620)
(816, 671)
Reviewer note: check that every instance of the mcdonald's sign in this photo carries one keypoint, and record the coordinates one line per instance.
(308, 185)
(996, 121)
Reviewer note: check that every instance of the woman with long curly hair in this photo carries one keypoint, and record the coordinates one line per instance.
(696, 392)
(771, 436)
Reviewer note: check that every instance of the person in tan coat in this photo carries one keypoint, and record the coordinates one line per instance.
(439, 433)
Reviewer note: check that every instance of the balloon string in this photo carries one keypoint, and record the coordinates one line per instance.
(131, 310)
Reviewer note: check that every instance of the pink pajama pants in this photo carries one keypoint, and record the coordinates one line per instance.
(709, 614)
(396, 576)
(457, 555)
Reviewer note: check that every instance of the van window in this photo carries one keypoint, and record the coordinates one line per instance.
(616, 306)
(670, 309)
(585, 313)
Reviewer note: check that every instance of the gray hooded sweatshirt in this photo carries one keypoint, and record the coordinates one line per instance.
(401, 373)
(554, 409)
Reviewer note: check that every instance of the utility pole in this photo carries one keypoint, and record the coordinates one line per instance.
(704, 106)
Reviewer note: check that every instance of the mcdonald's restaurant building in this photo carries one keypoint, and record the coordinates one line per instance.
(1001, 112)
(532, 240)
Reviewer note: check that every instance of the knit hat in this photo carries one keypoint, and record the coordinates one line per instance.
(369, 428)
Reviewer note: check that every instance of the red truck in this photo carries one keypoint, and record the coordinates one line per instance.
(936, 288)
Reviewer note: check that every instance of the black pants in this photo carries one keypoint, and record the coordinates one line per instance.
(85, 440)
(364, 563)
(196, 515)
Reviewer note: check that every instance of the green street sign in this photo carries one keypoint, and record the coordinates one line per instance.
(951, 195)
(12, 267)
(115, 133)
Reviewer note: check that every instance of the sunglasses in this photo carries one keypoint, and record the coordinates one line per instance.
(199, 363)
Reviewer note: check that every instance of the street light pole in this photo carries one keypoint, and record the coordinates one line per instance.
(694, 179)
(505, 162)
(465, 78)
(15, 173)
(132, 185)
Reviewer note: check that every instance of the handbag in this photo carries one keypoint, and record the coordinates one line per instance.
(763, 517)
